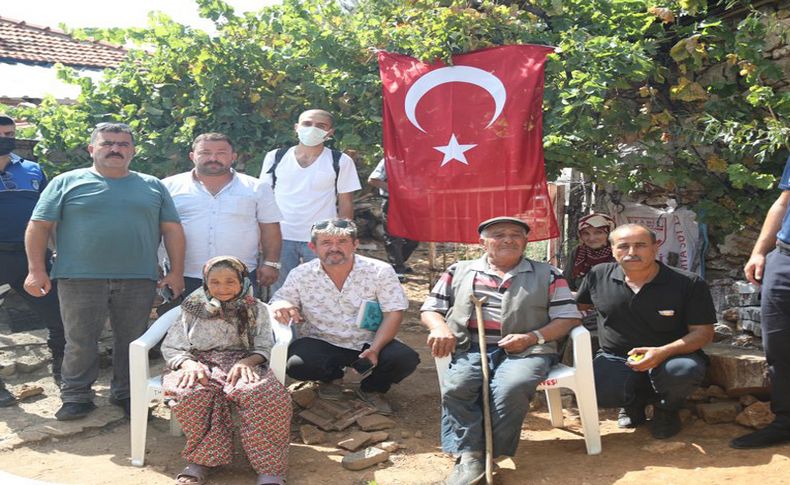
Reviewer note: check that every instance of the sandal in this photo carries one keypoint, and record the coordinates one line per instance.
(192, 474)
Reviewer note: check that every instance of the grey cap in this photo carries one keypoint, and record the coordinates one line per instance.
(496, 220)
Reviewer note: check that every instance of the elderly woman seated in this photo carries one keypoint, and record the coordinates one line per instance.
(217, 354)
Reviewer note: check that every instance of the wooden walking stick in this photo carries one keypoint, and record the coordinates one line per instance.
(481, 337)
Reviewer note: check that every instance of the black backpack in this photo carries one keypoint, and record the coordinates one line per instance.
(280, 153)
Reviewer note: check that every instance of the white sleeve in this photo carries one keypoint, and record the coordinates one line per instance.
(266, 206)
(268, 160)
(347, 179)
(380, 172)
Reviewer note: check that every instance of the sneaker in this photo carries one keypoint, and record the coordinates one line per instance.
(330, 391)
(125, 404)
(6, 398)
(631, 416)
(377, 400)
(74, 410)
(666, 423)
(771, 435)
(467, 473)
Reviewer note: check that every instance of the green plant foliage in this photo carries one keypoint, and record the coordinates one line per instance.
(671, 96)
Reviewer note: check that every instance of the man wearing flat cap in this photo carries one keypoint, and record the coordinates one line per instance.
(528, 308)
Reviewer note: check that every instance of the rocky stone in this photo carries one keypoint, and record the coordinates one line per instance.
(749, 313)
(699, 394)
(375, 422)
(738, 244)
(757, 415)
(751, 326)
(365, 458)
(719, 412)
(32, 360)
(355, 440)
(686, 416)
(743, 299)
(737, 371)
(26, 391)
(405, 434)
(747, 400)
(304, 397)
(378, 437)
(418, 434)
(7, 368)
(731, 314)
(716, 392)
(662, 447)
(390, 446)
(722, 332)
(746, 341)
(311, 435)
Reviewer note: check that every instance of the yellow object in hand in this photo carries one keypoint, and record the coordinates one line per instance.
(636, 357)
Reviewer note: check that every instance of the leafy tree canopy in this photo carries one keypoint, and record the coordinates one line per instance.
(679, 96)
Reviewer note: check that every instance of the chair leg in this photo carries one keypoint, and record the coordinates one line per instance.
(554, 401)
(138, 428)
(588, 414)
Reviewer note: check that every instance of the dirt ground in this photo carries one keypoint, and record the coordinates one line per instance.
(698, 455)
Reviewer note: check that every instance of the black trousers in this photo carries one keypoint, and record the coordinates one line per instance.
(13, 271)
(398, 249)
(311, 359)
(775, 324)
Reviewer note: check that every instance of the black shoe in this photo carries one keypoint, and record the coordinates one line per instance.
(6, 398)
(665, 424)
(74, 410)
(468, 473)
(125, 404)
(631, 416)
(771, 435)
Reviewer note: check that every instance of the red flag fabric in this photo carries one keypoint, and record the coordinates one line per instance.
(464, 143)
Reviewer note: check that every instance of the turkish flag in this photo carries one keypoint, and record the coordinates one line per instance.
(464, 143)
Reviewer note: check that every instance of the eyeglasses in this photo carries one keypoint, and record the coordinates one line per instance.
(339, 223)
(8, 183)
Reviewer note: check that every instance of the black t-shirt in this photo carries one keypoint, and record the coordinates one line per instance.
(659, 314)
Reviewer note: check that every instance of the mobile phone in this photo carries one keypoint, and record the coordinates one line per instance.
(166, 293)
(363, 366)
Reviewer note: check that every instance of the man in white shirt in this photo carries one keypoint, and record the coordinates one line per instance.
(324, 296)
(225, 213)
(310, 183)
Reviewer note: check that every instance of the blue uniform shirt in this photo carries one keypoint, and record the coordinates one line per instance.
(20, 186)
(784, 184)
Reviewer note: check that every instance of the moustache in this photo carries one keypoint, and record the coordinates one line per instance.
(114, 155)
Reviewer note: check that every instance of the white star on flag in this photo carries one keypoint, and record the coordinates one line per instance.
(454, 151)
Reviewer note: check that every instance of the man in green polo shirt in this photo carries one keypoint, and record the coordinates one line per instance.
(109, 223)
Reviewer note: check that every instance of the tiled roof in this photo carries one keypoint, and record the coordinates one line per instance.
(23, 42)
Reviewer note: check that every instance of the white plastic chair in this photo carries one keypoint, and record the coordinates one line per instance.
(579, 379)
(146, 388)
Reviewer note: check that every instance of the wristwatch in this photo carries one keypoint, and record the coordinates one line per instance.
(273, 264)
(539, 336)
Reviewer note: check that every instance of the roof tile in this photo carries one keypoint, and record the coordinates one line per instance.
(24, 42)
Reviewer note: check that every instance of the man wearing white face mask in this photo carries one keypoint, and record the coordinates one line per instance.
(311, 182)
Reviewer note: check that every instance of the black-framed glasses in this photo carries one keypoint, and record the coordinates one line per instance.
(8, 183)
(339, 223)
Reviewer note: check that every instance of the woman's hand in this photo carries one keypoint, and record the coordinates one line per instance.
(244, 371)
(192, 373)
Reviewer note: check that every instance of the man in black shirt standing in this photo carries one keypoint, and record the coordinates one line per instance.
(653, 321)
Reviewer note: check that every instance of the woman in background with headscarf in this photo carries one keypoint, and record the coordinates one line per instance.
(217, 353)
(593, 248)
